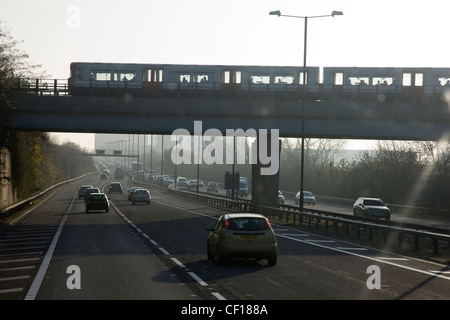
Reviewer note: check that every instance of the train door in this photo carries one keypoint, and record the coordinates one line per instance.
(338, 82)
(230, 81)
(152, 79)
(412, 83)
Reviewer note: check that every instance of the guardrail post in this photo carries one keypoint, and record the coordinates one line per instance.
(435, 245)
(55, 87)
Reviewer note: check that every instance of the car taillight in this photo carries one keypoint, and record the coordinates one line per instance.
(89, 201)
(227, 224)
(268, 224)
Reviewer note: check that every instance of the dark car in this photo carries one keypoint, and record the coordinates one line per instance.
(213, 187)
(372, 208)
(97, 201)
(82, 190)
(115, 187)
(88, 191)
(141, 195)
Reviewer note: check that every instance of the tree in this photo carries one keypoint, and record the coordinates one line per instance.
(14, 64)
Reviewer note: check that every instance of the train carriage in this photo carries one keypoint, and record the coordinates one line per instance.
(372, 83)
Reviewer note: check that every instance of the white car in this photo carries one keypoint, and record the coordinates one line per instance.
(242, 235)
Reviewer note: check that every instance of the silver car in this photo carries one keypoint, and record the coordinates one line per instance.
(371, 207)
(308, 198)
(242, 235)
(141, 195)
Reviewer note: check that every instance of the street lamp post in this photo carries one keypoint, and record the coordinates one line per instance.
(302, 164)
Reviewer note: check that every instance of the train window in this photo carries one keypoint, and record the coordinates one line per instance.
(283, 79)
(444, 81)
(202, 77)
(338, 78)
(100, 75)
(385, 81)
(158, 75)
(237, 77)
(406, 79)
(124, 76)
(260, 79)
(418, 79)
(358, 81)
(152, 75)
(300, 77)
(184, 78)
(229, 76)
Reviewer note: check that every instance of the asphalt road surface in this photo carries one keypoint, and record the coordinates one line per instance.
(158, 252)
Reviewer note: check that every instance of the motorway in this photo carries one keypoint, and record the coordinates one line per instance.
(158, 252)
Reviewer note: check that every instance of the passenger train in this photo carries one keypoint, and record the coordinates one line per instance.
(259, 81)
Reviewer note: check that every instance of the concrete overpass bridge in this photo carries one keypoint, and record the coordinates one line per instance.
(333, 119)
(323, 119)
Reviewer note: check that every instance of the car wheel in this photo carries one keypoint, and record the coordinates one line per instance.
(87, 211)
(272, 260)
(107, 210)
(133, 202)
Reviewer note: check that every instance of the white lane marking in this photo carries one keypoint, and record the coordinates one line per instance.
(32, 292)
(368, 257)
(164, 251)
(197, 278)
(218, 296)
(352, 248)
(390, 258)
(178, 262)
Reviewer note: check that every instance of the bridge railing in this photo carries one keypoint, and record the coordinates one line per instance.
(42, 87)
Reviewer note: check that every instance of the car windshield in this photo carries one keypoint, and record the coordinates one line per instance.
(141, 191)
(97, 197)
(247, 224)
(307, 194)
(373, 203)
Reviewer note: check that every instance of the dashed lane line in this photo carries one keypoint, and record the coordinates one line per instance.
(175, 260)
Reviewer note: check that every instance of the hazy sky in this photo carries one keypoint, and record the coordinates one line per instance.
(378, 33)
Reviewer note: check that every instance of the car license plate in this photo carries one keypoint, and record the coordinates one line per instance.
(249, 237)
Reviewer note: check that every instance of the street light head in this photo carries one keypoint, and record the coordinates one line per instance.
(275, 13)
(337, 13)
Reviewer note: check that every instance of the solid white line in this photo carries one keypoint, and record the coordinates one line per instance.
(360, 249)
(368, 257)
(14, 278)
(32, 292)
(11, 290)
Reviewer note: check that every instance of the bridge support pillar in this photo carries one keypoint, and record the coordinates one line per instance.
(265, 187)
